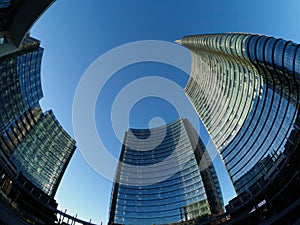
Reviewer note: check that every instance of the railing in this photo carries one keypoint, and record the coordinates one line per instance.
(63, 218)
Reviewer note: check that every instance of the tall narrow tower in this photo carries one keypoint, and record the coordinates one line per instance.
(245, 89)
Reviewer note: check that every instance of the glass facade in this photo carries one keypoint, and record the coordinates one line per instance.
(244, 88)
(43, 152)
(34, 148)
(20, 83)
(35, 143)
(158, 180)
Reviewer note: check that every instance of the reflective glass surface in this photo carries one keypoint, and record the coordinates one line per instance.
(245, 89)
(34, 141)
(178, 192)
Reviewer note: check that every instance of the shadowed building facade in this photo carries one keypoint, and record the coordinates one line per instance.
(20, 81)
(35, 150)
(43, 153)
(35, 142)
(159, 180)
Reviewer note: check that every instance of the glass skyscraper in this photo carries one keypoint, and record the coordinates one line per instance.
(43, 153)
(20, 82)
(245, 89)
(159, 180)
(34, 141)
(34, 148)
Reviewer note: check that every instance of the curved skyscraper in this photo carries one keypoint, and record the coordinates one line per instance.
(245, 89)
(20, 81)
(34, 149)
(42, 155)
(159, 181)
(34, 141)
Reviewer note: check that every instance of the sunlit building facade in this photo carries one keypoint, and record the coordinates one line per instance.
(159, 180)
(245, 89)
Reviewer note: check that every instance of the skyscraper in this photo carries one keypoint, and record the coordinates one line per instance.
(159, 180)
(43, 153)
(245, 89)
(20, 81)
(34, 149)
(36, 144)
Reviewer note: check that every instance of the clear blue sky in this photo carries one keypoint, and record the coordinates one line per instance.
(75, 33)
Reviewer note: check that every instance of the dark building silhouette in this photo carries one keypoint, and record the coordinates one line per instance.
(16, 19)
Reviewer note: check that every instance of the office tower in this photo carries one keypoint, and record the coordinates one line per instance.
(245, 89)
(20, 81)
(43, 152)
(34, 141)
(159, 180)
(34, 148)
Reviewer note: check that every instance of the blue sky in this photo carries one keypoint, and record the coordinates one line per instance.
(76, 33)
